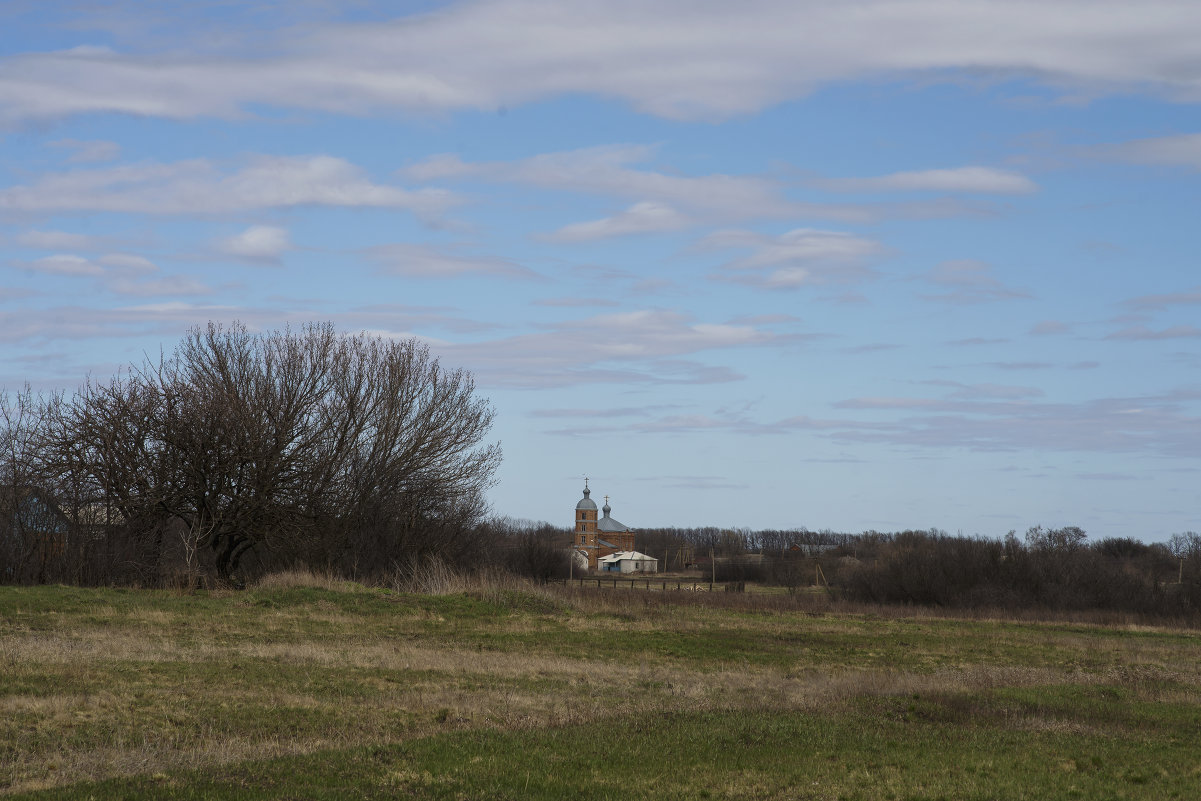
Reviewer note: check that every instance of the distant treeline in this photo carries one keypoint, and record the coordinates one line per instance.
(1048, 568)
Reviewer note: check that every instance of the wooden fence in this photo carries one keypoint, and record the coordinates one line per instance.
(677, 584)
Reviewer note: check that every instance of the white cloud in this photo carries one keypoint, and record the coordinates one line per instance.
(664, 199)
(874, 347)
(59, 240)
(1184, 298)
(674, 58)
(1022, 366)
(608, 412)
(987, 391)
(166, 320)
(128, 263)
(1123, 477)
(647, 217)
(977, 342)
(721, 420)
(170, 286)
(608, 170)
(970, 281)
(258, 243)
(961, 179)
(63, 264)
(78, 322)
(112, 264)
(1142, 332)
(888, 403)
(397, 316)
(575, 303)
(10, 294)
(800, 257)
(639, 346)
(198, 187)
(129, 274)
(1154, 424)
(90, 150)
(426, 261)
(1049, 328)
(765, 319)
(120, 273)
(1173, 151)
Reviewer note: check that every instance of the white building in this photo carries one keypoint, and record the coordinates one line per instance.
(628, 562)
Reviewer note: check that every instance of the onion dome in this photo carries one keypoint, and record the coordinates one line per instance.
(586, 502)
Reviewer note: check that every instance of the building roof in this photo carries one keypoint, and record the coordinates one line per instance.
(607, 523)
(622, 556)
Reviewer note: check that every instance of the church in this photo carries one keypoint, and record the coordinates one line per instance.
(597, 538)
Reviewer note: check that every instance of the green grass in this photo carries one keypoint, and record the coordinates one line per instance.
(311, 692)
(920, 749)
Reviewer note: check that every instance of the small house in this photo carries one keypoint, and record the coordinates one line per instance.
(628, 562)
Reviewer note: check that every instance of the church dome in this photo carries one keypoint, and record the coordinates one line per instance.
(586, 502)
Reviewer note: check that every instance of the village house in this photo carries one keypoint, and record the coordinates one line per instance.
(629, 562)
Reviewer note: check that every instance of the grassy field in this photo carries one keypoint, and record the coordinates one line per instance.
(311, 689)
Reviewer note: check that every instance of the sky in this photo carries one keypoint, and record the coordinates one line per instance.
(768, 264)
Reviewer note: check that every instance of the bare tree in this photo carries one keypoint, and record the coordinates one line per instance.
(1185, 547)
(27, 516)
(298, 445)
(1059, 540)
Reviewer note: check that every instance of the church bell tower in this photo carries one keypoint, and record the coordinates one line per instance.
(584, 537)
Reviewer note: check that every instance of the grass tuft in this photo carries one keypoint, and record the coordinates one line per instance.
(304, 577)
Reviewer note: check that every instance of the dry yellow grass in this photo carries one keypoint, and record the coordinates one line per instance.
(160, 682)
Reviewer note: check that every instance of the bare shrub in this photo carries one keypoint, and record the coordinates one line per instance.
(533, 550)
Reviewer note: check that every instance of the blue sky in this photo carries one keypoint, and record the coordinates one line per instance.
(872, 265)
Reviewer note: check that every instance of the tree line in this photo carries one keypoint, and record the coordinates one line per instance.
(243, 452)
(1047, 568)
